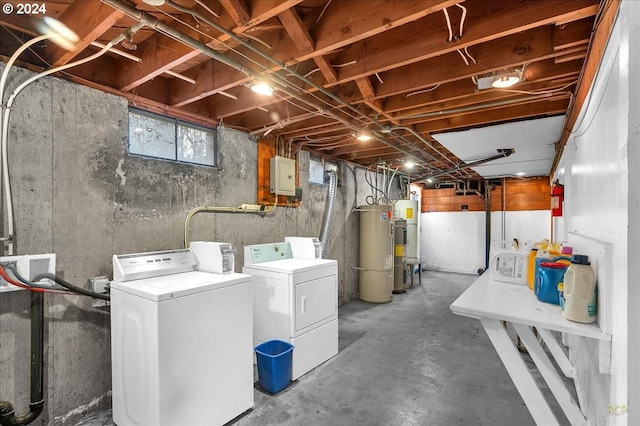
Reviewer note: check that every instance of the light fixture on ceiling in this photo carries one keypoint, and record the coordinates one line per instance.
(58, 33)
(409, 164)
(262, 89)
(154, 2)
(363, 137)
(500, 80)
(521, 174)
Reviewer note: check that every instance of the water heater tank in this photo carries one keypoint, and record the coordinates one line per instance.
(408, 210)
(376, 253)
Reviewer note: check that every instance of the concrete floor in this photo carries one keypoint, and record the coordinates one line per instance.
(408, 362)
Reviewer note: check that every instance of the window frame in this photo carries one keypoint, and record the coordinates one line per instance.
(177, 123)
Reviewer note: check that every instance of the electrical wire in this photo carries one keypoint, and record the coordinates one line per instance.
(431, 89)
(374, 187)
(466, 50)
(74, 288)
(464, 15)
(208, 9)
(464, 58)
(539, 92)
(322, 13)
(446, 16)
(275, 76)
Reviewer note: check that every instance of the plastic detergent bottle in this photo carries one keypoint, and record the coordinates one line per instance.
(509, 266)
(580, 291)
(531, 267)
(549, 276)
(561, 294)
(541, 256)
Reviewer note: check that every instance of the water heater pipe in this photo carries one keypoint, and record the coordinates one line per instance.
(329, 207)
(243, 208)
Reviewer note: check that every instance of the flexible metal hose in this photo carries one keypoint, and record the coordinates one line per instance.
(328, 212)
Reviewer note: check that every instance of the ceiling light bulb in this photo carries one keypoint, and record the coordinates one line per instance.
(364, 137)
(409, 164)
(154, 2)
(262, 89)
(60, 34)
(506, 80)
(520, 174)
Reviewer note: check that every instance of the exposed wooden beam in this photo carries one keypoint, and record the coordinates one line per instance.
(238, 11)
(161, 53)
(326, 69)
(514, 50)
(295, 28)
(519, 112)
(533, 45)
(345, 23)
(512, 47)
(100, 18)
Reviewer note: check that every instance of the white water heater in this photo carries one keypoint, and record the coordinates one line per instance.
(408, 210)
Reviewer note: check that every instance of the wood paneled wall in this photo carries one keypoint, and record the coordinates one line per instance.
(519, 194)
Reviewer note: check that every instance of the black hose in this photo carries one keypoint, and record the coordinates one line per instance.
(70, 286)
(7, 412)
(23, 280)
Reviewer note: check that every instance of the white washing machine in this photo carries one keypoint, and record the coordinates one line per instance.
(181, 341)
(295, 300)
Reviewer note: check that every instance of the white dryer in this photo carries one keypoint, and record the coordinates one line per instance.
(181, 341)
(295, 300)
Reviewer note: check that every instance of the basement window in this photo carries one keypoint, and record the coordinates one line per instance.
(156, 136)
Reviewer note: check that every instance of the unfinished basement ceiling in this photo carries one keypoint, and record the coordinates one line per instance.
(400, 70)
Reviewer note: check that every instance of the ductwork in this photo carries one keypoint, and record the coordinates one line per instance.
(328, 212)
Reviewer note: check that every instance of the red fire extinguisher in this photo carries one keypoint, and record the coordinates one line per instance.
(557, 198)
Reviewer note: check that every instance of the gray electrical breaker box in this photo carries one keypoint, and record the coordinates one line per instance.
(283, 176)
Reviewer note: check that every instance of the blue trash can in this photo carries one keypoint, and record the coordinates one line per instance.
(274, 365)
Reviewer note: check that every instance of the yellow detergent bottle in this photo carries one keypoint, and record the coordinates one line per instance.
(531, 265)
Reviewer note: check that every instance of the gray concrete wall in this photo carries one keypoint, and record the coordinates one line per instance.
(78, 194)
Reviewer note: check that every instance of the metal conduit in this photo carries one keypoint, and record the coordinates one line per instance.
(503, 153)
(269, 58)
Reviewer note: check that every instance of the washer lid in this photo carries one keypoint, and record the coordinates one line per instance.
(179, 285)
(293, 265)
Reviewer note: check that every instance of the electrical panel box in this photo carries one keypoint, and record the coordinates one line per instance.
(283, 176)
(29, 266)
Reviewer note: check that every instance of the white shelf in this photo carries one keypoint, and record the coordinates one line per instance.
(516, 303)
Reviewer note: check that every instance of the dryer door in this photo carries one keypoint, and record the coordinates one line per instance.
(316, 303)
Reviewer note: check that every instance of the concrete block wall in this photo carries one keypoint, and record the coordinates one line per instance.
(78, 194)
